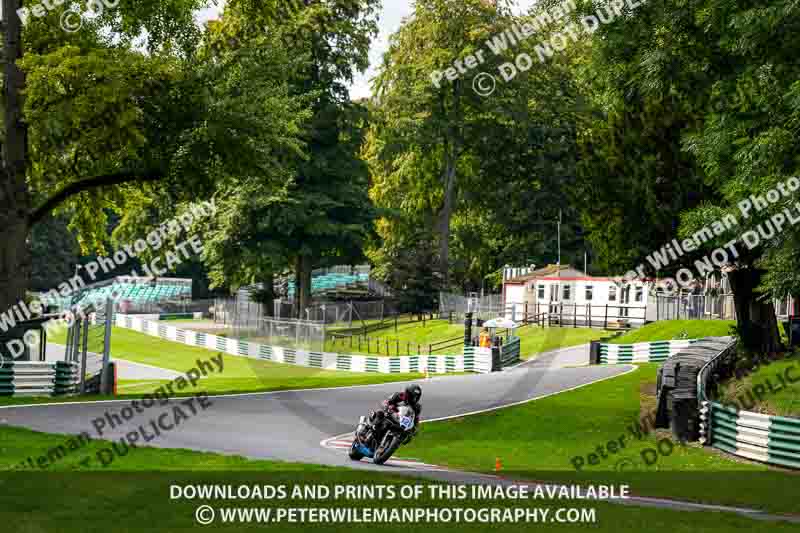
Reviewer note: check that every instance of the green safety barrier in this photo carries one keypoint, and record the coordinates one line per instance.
(768, 439)
(510, 351)
(642, 352)
(38, 378)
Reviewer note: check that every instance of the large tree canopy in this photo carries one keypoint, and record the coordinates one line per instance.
(104, 114)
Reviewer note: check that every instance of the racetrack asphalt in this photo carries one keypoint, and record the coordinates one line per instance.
(298, 425)
(289, 425)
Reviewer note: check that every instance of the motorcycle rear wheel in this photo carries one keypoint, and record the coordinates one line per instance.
(389, 445)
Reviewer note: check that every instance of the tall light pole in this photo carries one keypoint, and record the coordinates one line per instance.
(559, 239)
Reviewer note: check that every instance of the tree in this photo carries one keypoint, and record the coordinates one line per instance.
(708, 88)
(421, 142)
(101, 118)
(517, 146)
(314, 209)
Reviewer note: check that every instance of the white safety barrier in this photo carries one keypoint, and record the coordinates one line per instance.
(474, 359)
(642, 352)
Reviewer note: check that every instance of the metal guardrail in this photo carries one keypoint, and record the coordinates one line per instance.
(712, 369)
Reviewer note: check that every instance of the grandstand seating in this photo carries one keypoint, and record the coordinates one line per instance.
(332, 282)
(125, 288)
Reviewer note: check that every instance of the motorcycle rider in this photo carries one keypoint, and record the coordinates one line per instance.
(410, 396)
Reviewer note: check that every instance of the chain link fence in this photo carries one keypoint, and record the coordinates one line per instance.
(695, 306)
(241, 311)
(484, 307)
(168, 307)
(286, 332)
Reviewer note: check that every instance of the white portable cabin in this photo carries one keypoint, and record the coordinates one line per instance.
(563, 294)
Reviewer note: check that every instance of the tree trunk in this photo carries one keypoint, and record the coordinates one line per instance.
(302, 285)
(755, 317)
(15, 200)
(14, 254)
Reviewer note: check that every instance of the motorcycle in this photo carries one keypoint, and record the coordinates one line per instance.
(381, 439)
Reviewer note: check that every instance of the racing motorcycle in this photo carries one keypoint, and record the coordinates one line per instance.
(381, 439)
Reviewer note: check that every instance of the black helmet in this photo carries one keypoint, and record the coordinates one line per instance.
(413, 394)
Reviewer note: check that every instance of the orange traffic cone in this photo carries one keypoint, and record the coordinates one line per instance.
(498, 465)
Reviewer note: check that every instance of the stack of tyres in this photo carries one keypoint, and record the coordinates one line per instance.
(677, 391)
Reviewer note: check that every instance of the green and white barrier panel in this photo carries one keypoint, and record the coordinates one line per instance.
(642, 352)
(768, 439)
(478, 359)
(510, 351)
(473, 360)
(29, 378)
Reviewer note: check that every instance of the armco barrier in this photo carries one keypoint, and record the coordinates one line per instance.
(27, 378)
(474, 359)
(642, 352)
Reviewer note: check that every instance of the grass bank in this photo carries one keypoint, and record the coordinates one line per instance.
(665, 330)
(772, 389)
(418, 336)
(240, 374)
(536, 340)
(601, 432)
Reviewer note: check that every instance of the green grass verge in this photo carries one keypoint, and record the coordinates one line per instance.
(772, 389)
(418, 336)
(549, 434)
(536, 340)
(134, 494)
(240, 374)
(665, 330)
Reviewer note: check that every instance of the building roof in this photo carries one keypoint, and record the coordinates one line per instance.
(561, 271)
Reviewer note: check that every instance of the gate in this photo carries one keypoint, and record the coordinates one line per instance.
(89, 345)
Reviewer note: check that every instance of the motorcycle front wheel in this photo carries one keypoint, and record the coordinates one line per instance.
(354, 454)
(389, 445)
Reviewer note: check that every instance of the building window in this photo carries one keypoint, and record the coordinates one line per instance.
(566, 292)
(541, 292)
(612, 293)
(639, 293)
(531, 287)
(589, 291)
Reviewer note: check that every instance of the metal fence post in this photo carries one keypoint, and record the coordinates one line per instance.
(84, 353)
(68, 349)
(104, 389)
(76, 338)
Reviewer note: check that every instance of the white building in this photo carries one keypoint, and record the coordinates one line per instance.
(563, 294)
